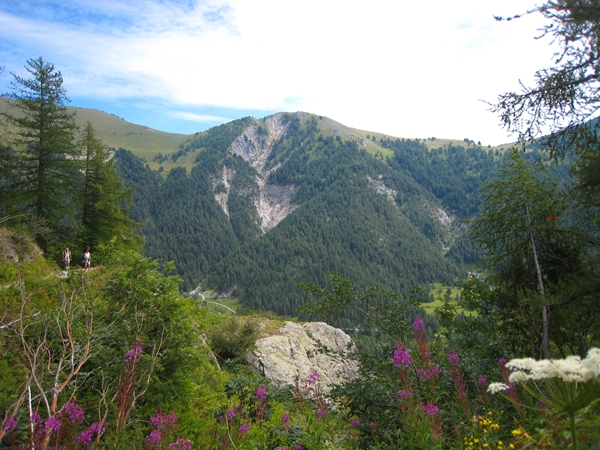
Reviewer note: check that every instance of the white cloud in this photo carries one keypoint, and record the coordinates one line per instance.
(200, 118)
(411, 69)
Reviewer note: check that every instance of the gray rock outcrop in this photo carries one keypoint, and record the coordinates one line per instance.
(297, 350)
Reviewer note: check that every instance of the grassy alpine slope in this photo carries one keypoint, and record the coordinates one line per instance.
(115, 132)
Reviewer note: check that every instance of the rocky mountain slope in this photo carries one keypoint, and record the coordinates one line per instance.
(262, 206)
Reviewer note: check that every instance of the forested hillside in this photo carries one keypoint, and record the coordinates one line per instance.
(397, 220)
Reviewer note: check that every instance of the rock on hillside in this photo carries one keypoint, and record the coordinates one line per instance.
(15, 246)
(296, 351)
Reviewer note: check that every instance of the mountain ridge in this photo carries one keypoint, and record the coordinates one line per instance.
(392, 218)
(147, 142)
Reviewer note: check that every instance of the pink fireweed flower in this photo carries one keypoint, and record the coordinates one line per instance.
(431, 409)
(86, 436)
(230, 414)
(261, 393)
(134, 354)
(52, 425)
(321, 413)
(154, 437)
(482, 381)
(285, 417)
(402, 358)
(418, 324)
(429, 373)
(35, 418)
(245, 427)
(160, 421)
(421, 338)
(355, 423)
(313, 377)
(453, 357)
(404, 394)
(74, 412)
(181, 444)
(11, 424)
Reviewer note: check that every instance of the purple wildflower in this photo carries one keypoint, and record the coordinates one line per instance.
(160, 421)
(428, 374)
(418, 324)
(373, 425)
(402, 357)
(35, 418)
(298, 447)
(181, 444)
(10, 424)
(282, 448)
(134, 354)
(431, 409)
(482, 381)
(313, 377)
(261, 393)
(501, 362)
(154, 437)
(285, 417)
(230, 414)
(86, 436)
(453, 357)
(355, 423)
(321, 413)
(75, 412)
(404, 394)
(245, 427)
(52, 425)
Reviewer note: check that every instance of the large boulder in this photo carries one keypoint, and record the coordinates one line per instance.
(297, 350)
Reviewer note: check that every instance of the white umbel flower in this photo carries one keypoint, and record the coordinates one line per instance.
(494, 388)
(517, 377)
(570, 369)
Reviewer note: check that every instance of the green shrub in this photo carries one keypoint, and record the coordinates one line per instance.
(233, 337)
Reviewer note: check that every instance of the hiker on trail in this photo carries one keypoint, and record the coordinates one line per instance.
(87, 259)
(66, 258)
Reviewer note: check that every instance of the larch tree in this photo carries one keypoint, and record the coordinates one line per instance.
(562, 109)
(43, 139)
(104, 199)
(529, 248)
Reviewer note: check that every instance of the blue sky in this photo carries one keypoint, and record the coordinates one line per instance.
(404, 68)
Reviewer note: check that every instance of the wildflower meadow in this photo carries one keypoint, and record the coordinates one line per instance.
(429, 400)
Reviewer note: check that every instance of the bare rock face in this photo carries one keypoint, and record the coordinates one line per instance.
(273, 204)
(296, 351)
(254, 145)
(223, 197)
(382, 189)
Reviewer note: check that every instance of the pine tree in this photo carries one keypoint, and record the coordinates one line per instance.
(104, 199)
(46, 156)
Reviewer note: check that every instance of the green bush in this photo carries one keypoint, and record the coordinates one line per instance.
(233, 337)
(7, 272)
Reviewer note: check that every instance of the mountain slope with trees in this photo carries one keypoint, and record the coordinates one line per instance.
(394, 216)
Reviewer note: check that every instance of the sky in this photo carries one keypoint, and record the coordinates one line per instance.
(412, 69)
